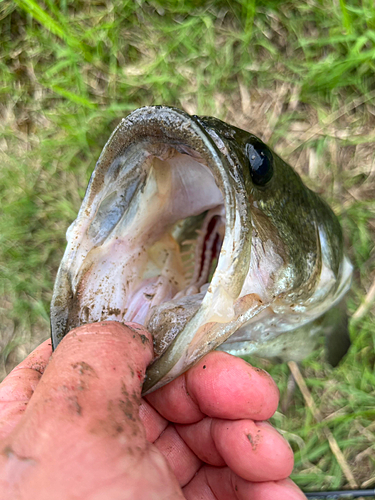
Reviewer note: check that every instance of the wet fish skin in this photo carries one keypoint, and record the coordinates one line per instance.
(282, 267)
(292, 210)
(295, 218)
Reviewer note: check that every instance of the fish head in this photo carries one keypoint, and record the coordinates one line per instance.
(200, 232)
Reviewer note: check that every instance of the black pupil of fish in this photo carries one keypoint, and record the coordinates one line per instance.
(261, 163)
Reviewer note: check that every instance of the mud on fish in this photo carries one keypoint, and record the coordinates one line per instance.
(199, 231)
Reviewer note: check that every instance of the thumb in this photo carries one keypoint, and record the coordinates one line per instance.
(87, 399)
(97, 362)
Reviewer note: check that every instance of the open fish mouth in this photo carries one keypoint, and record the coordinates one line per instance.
(201, 233)
(162, 238)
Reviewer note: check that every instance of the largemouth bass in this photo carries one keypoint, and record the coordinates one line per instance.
(199, 231)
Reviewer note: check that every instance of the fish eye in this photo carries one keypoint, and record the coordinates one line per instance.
(260, 163)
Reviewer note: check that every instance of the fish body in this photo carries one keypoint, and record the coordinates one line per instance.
(199, 231)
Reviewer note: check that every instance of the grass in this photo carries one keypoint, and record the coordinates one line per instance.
(298, 74)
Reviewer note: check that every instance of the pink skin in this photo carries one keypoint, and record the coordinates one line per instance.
(74, 426)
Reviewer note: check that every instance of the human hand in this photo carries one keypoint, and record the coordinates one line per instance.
(78, 432)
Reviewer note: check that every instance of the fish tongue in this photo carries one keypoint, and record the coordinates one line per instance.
(167, 320)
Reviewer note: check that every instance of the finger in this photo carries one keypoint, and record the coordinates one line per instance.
(18, 387)
(221, 386)
(183, 462)
(199, 439)
(22, 380)
(89, 393)
(212, 483)
(175, 402)
(153, 422)
(254, 451)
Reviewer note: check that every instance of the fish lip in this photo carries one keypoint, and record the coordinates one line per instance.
(171, 126)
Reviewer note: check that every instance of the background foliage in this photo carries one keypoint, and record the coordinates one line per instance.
(298, 74)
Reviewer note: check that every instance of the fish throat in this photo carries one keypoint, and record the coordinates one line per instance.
(161, 244)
